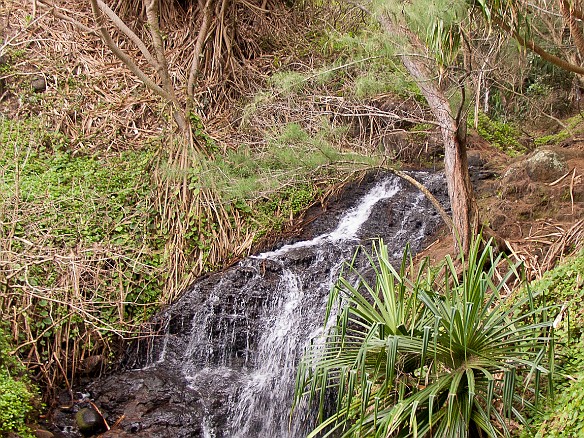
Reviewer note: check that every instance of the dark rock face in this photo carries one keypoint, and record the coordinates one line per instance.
(222, 362)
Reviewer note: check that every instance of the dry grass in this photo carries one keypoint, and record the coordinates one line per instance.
(93, 99)
(380, 125)
(555, 241)
(57, 328)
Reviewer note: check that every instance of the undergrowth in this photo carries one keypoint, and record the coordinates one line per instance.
(273, 183)
(563, 286)
(17, 396)
(81, 252)
(357, 64)
(502, 135)
(84, 249)
(572, 127)
(355, 96)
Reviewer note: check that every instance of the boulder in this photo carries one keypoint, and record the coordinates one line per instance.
(89, 422)
(39, 84)
(545, 166)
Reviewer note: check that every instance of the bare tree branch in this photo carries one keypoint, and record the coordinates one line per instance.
(162, 64)
(125, 58)
(198, 51)
(68, 19)
(119, 23)
(152, 16)
(445, 217)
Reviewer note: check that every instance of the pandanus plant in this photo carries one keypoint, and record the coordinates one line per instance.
(438, 354)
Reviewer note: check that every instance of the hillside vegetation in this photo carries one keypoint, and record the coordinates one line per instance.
(108, 210)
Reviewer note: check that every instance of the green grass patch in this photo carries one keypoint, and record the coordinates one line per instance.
(17, 396)
(503, 136)
(574, 126)
(81, 246)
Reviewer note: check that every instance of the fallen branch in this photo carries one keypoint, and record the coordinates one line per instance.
(445, 217)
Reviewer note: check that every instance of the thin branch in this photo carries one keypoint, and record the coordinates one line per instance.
(198, 51)
(531, 45)
(119, 23)
(125, 58)
(445, 217)
(60, 16)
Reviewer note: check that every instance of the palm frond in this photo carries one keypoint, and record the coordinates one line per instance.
(430, 355)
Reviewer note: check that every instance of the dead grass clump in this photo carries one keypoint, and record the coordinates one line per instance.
(86, 304)
(386, 125)
(554, 242)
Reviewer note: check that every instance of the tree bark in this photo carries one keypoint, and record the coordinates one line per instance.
(568, 12)
(465, 213)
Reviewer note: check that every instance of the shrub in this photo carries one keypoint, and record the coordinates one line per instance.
(565, 416)
(501, 135)
(438, 355)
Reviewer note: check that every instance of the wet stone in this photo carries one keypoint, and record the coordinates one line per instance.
(89, 422)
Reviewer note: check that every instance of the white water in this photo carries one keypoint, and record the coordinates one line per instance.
(350, 223)
(294, 320)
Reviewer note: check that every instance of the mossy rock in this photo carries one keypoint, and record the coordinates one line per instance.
(545, 166)
(89, 422)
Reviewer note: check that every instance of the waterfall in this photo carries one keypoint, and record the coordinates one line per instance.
(292, 319)
(231, 344)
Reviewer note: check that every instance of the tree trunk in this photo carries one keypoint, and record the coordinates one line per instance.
(465, 212)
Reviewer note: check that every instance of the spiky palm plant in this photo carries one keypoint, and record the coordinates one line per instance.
(440, 355)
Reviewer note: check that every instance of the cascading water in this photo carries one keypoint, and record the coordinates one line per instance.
(225, 362)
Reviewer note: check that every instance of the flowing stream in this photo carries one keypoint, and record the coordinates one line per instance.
(224, 363)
